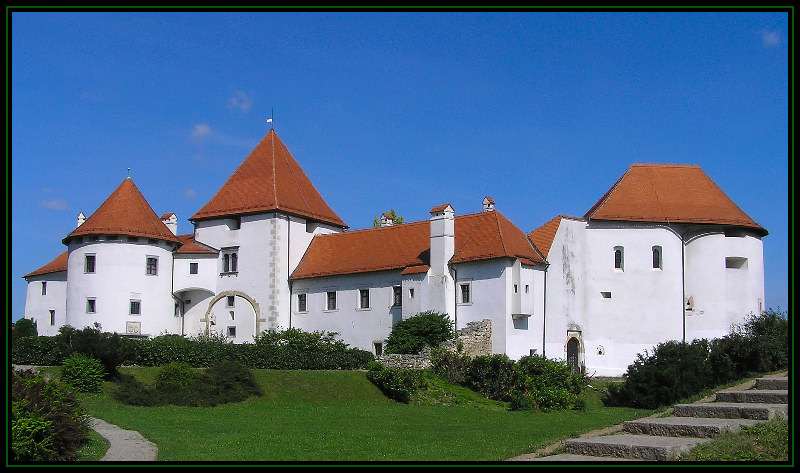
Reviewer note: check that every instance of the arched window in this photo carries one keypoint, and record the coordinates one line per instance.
(657, 257)
(619, 258)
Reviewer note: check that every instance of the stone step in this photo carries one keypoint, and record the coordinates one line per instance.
(568, 457)
(732, 410)
(686, 426)
(772, 383)
(637, 447)
(765, 396)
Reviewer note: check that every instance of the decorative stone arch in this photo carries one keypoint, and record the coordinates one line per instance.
(574, 349)
(250, 300)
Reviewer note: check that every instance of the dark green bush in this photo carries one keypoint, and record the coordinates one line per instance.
(109, 348)
(493, 376)
(411, 335)
(759, 345)
(47, 423)
(23, 328)
(450, 366)
(545, 385)
(83, 373)
(396, 384)
(37, 351)
(231, 381)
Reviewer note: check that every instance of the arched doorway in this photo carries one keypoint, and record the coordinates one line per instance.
(231, 296)
(575, 353)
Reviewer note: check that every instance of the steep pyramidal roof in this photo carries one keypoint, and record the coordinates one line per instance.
(669, 194)
(269, 179)
(57, 265)
(125, 212)
(406, 247)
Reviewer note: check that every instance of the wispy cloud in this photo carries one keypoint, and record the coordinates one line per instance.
(55, 204)
(770, 38)
(241, 101)
(201, 131)
(190, 193)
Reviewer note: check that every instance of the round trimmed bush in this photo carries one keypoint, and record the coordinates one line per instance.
(410, 336)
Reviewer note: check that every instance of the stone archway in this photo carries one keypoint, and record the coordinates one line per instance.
(575, 351)
(250, 300)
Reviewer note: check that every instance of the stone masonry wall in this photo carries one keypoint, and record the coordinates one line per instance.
(475, 340)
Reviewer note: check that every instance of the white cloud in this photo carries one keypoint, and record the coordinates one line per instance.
(55, 204)
(201, 131)
(770, 38)
(190, 193)
(240, 101)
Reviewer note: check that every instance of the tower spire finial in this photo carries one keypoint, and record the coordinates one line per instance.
(269, 120)
(129, 173)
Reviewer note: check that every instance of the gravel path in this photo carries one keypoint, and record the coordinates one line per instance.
(125, 445)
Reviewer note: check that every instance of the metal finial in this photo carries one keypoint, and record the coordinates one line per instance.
(129, 173)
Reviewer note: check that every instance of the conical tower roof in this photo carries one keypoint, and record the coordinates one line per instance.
(269, 179)
(125, 212)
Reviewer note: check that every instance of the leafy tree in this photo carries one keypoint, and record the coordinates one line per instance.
(396, 219)
(23, 328)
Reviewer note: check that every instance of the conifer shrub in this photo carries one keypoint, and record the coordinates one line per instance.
(47, 422)
(83, 373)
(411, 335)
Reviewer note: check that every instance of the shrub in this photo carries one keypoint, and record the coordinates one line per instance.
(493, 376)
(544, 385)
(38, 351)
(109, 348)
(83, 373)
(449, 365)
(396, 384)
(47, 423)
(409, 336)
(23, 328)
(232, 382)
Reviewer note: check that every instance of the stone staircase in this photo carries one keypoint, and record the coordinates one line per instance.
(666, 438)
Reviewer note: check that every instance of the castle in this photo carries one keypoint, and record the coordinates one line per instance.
(663, 255)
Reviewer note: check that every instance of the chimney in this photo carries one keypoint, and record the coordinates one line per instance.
(442, 238)
(81, 218)
(488, 204)
(387, 220)
(171, 221)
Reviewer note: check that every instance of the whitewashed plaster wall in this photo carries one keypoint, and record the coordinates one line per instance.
(38, 306)
(119, 277)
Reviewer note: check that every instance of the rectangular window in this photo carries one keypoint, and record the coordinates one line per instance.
(230, 300)
(363, 298)
(378, 348)
(527, 289)
(397, 296)
(230, 261)
(91, 305)
(606, 294)
(465, 293)
(331, 300)
(89, 265)
(136, 307)
(411, 293)
(735, 262)
(151, 267)
(515, 288)
(52, 317)
(192, 268)
(656, 257)
(232, 332)
(619, 258)
(301, 303)
(44, 288)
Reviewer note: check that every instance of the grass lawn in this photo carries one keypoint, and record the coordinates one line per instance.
(322, 416)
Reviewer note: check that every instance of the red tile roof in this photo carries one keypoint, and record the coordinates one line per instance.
(55, 266)
(190, 246)
(125, 212)
(669, 194)
(269, 179)
(406, 247)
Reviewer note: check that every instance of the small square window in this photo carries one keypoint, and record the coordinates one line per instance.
(91, 306)
(192, 268)
(465, 293)
(90, 262)
(230, 301)
(136, 307)
(232, 332)
(301, 303)
(606, 294)
(151, 268)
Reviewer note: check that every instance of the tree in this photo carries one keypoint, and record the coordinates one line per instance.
(23, 328)
(410, 336)
(396, 220)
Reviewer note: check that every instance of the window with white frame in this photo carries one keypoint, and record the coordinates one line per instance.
(90, 262)
(363, 298)
(230, 260)
(151, 266)
(231, 332)
(52, 317)
(135, 307)
(330, 302)
(44, 288)
(302, 303)
(91, 305)
(193, 268)
(465, 292)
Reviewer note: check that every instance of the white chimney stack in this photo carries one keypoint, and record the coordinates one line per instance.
(81, 218)
(488, 204)
(171, 221)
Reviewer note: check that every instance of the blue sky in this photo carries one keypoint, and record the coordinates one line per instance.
(542, 111)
